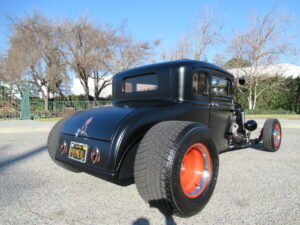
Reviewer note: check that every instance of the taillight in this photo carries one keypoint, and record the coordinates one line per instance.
(95, 155)
(64, 147)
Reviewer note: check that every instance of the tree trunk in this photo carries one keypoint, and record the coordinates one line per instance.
(86, 88)
(250, 99)
(254, 98)
(254, 102)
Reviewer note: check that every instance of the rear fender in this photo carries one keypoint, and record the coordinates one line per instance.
(135, 126)
(125, 164)
(133, 130)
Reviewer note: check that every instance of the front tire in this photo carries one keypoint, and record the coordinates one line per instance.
(176, 167)
(272, 135)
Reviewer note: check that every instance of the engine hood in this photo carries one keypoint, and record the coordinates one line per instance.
(99, 123)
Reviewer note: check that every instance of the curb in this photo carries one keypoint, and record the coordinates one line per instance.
(24, 130)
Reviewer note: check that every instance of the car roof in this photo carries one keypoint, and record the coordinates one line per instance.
(151, 68)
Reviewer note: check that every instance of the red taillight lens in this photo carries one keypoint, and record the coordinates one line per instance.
(64, 147)
(95, 155)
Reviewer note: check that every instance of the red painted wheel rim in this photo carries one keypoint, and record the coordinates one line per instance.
(195, 170)
(276, 135)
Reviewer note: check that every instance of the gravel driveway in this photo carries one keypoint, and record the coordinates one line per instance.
(254, 187)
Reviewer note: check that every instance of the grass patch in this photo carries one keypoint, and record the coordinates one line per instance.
(278, 116)
(54, 119)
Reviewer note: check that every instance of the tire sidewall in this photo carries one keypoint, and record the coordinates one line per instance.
(185, 205)
(268, 136)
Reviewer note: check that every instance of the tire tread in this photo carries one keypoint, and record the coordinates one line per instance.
(151, 165)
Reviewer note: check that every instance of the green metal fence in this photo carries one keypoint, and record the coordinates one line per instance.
(18, 100)
(10, 99)
(61, 108)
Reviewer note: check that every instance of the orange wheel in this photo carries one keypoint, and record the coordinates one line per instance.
(195, 170)
(276, 135)
(177, 171)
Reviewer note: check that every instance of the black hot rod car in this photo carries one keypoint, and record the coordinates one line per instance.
(165, 128)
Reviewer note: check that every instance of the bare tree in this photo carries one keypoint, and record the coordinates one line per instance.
(80, 39)
(184, 50)
(98, 52)
(205, 33)
(262, 44)
(125, 53)
(35, 54)
(2, 67)
(219, 59)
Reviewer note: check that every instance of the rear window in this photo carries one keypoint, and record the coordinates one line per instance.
(140, 83)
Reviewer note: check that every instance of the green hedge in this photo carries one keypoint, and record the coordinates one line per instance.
(284, 99)
(267, 112)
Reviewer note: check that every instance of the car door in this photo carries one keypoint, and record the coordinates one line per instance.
(221, 107)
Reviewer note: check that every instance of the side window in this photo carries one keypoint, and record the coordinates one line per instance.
(199, 83)
(220, 87)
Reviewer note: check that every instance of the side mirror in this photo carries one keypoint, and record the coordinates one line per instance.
(242, 80)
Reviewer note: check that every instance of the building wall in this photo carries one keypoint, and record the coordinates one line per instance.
(77, 88)
(284, 69)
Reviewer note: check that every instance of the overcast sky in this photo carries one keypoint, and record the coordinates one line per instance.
(150, 20)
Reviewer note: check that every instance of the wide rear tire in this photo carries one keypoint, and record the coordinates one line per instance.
(272, 135)
(176, 167)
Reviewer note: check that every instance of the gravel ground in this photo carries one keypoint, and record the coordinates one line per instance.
(254, 187)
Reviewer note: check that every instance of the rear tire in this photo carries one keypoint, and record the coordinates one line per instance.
(272, 135)
(53, 143)
(168, 162)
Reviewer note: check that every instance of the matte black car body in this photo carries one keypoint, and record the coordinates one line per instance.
(116, 129)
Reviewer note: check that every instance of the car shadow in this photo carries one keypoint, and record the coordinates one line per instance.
(125, 182)
(141, 221)
(159, 205)
(144, 221)
(15, 159)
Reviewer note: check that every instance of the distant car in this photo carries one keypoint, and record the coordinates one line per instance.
(165, 128)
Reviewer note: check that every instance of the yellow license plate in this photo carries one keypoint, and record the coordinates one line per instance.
(78, 151)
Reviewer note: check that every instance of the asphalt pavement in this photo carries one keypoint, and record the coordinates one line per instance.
(253, 187)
